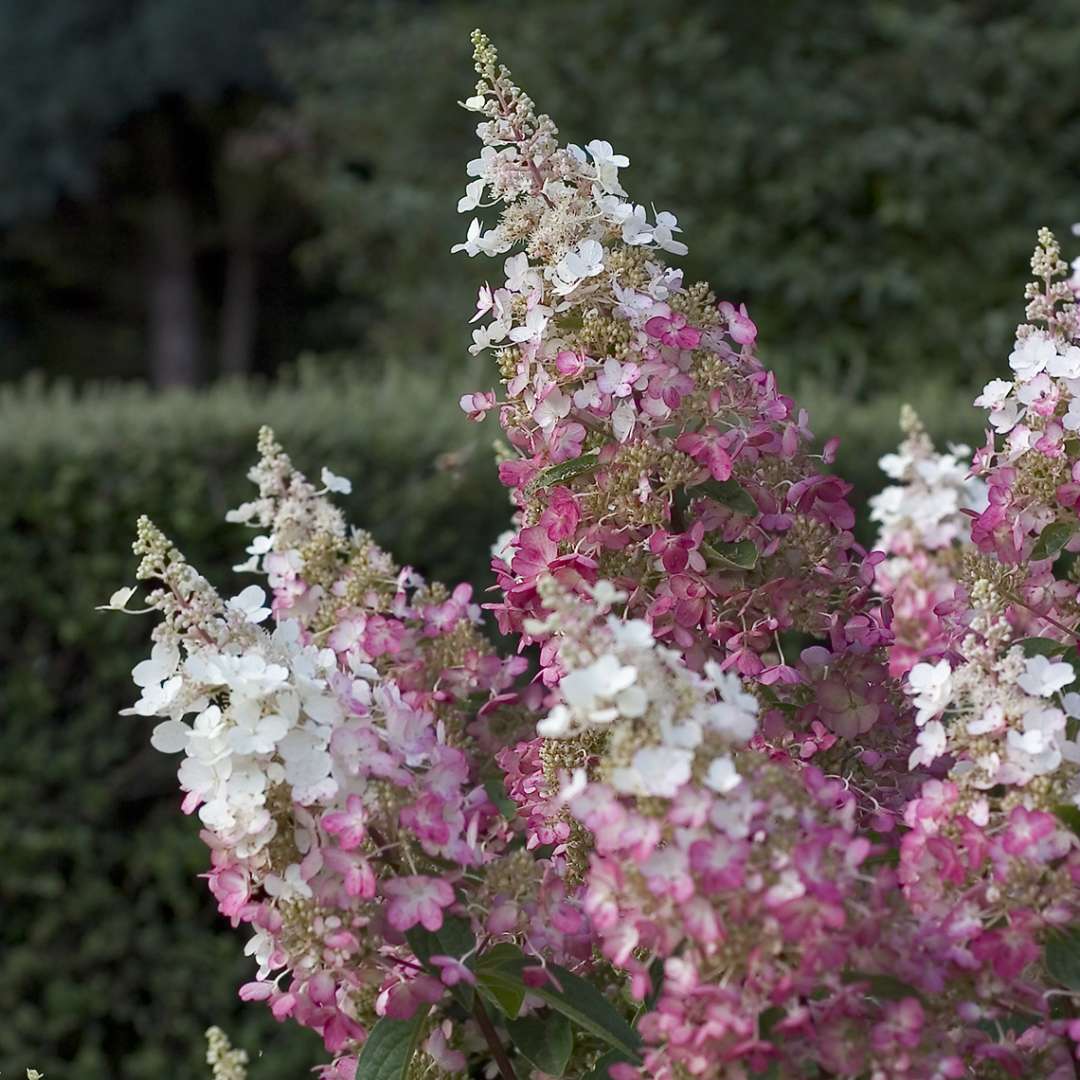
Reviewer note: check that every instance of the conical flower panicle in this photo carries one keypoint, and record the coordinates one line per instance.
(334, 762)
(647, 444)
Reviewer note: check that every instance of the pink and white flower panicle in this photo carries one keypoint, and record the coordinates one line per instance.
(923, 530)
(647, 444)
(332, 759)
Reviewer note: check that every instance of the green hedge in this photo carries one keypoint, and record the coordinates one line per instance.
(112, 959)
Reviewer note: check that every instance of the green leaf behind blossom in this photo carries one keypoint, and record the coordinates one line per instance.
(546, 1040)
(1053, 538)
(499, 977)
(585, 1006)
(1043, 646)
(728, 493)
(454, 938)
(389, 1049)
(600, 1070)
(739, 555)
(1062, 955)
(566, 471)
(1069, 815)
(884, 987)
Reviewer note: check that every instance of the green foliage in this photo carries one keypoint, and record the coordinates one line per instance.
(867, 177)
(454, 938)
(112, 958)
(727, 493)
(390, 1047)
(501, 970)
(1062, 956)
(583, 1004)
(1052, 539)
(546, 1041)
(1043, 646)
(566, 471)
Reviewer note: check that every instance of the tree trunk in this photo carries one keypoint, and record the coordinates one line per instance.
(172, 293)
(239, 305)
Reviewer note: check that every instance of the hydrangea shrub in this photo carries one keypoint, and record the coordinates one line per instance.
(745, 799)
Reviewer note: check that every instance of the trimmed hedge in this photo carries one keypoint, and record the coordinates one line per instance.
(112, 958)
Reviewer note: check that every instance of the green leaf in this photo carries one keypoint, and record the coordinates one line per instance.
(740, 555)
(600, 1070)
(496, 792)
(454, 938)
(1052, 539)
(583, 1004)
(768, 1019)
(656, 973)
(889, 857)
(546, 1040)
(680, 504)
(1011, 1023)
(728, 493)
(886, 987)
(1062, 954)
(1069, 815)
(505, 954)
(503, 988)
(389, 1049)
(1043, 646)
(498, 977)
(566, 471)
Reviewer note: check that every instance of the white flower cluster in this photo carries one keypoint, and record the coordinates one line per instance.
(262, 715)
(922, 511)
(1045, 371)
(1005, 721)
(666, 722)
(566, 218)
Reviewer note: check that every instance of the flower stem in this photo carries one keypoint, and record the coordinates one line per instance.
(498, 1051)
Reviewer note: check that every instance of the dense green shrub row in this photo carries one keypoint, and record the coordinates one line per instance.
(112, 961)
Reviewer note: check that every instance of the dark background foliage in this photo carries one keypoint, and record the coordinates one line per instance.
(192, 193)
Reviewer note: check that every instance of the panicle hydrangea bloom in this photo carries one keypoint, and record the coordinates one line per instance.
(735, 890)
(332, 740)
(648, 446)
(1036, 415)
(923, 531)
(990, 854)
